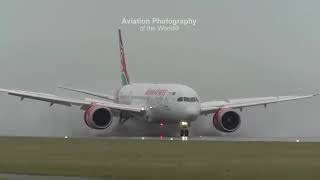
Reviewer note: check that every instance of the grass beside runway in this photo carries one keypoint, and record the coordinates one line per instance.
(152, 159)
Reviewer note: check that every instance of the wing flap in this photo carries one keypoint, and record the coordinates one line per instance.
(100, 95)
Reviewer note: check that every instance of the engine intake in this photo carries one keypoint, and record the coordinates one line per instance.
(98, 117)
(226, 120)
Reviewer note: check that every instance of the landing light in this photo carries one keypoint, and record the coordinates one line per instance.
(183, 123)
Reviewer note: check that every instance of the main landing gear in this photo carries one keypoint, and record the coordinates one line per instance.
(184, 132)
(124, 117)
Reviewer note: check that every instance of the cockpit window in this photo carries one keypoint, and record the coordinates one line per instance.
(186, 99)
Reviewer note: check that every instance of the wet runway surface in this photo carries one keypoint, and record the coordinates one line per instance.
(192, 138)
(219, 138)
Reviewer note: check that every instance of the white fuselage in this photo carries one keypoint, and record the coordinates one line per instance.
(167, 103)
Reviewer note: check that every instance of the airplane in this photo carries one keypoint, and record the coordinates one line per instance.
(174, 104)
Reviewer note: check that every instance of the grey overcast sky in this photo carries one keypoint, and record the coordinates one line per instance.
(237, 49)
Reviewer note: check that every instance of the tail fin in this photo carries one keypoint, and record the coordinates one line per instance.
(124, 72)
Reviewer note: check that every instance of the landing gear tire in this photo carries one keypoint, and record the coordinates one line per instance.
(181, 132)
(184, 132)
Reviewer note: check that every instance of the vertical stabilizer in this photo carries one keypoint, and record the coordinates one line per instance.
(123, 66)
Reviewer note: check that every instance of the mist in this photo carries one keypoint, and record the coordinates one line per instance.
(236, 49)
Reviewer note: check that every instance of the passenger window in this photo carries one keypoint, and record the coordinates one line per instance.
(186, 99)
(193, 99)
(180, 99)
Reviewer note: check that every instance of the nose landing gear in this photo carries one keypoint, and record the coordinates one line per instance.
(184, 132)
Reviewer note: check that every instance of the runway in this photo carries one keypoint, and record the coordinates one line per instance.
(191, 138)
(219, 138)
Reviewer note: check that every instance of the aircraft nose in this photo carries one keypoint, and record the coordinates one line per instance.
(193, 112)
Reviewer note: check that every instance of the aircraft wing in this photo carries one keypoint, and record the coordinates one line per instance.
(212, 106)
(104, 96)
(53, 99)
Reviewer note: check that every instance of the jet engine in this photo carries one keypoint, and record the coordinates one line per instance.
(226, 120)
(98, 117)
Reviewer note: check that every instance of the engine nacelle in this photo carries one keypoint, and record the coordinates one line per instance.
(98, 117)
(226, 120)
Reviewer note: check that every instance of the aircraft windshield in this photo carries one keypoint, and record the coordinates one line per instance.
(188, 99)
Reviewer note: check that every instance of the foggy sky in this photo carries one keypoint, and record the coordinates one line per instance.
(237, 49)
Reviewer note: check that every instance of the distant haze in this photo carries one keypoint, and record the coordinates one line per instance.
(237, 49)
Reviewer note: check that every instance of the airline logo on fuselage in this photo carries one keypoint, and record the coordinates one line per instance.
(156, 92)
